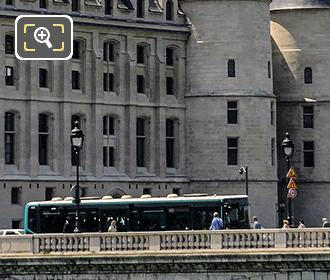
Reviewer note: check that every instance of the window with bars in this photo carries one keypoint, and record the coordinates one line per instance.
(10, 136)
(232, 112)
(9, 44)
(308, 153)
(308, 75)
(109, 52)
(43, 139)
(108, 7)
(231, 68)
(108, 82)
(75, 79)
(232, 151)
(109, 141)
(140, 8)
(43, 78)
(140, 142)
(170, 143)
(308, 117)
(9, 75)
(169, 10)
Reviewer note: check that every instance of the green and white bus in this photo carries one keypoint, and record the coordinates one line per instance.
(137, 214)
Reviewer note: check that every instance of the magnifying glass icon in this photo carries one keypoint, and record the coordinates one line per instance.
(41, 35)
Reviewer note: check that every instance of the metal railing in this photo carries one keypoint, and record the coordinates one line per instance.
(166, 241)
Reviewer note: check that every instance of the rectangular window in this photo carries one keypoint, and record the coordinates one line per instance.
(308, 75)
(169, 10)
(76, 50)
(108, 156)
(43, 4)
(75, 5)
(105, 82)
(272, 113)
(231, 68)
(140, 83)
(108, 141)
(108, 7)
(308, 153)
(108, 52)
(49, 193)
(232, 151)
(84, 192)
(111, 82)
(147, 191)
(272, 148)
(10, 138)
(9, 44)
(75, 79)
(232, 111)
(43, 139)
(43, 78)
(9, 2)
(308, 117)
(16, 224)
(169, 57)
(170, 143)
(15, 195)
(169, 85)
(140, 8)
(140, 142)
(9, 75)
(140, 54)
(269, 70)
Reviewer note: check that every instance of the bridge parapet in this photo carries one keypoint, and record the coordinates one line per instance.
(166, 241)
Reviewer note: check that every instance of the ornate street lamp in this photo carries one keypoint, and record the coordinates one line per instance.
(77, 141)
(245, 169)
(288, 151)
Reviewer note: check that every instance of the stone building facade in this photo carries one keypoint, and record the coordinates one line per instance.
(172, 98)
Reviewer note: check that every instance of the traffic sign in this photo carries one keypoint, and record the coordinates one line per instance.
(292, 193)
(291, 173)
(292, 184)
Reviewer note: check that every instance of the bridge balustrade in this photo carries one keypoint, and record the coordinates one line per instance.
(166, 241)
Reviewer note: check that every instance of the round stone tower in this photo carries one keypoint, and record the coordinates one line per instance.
(301, 61)
(230, 106)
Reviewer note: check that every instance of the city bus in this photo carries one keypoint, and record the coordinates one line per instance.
(194, 212)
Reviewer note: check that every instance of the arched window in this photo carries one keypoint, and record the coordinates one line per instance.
(43, 139)
(110, 66)
(169, 10)
(308, 74)
(109, 141)
(231, 68)
(10, 137)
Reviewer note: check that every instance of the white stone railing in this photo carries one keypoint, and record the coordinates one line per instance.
(166, 241)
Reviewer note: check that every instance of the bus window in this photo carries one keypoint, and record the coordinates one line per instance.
(202, 218)
(178, 218)
(89, 220)
(235, 216)
(153, 220)
(119, 215)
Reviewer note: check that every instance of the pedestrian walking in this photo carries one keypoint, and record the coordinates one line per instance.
(255, 224)
(113, 226)
(325, 222)
(285, 224)
(216, 223)
(301, 224)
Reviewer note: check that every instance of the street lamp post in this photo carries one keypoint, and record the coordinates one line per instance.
(288, 151)
(77, 140)
(245, 169)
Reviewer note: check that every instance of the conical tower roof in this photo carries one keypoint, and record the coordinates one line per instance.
(299, 4)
